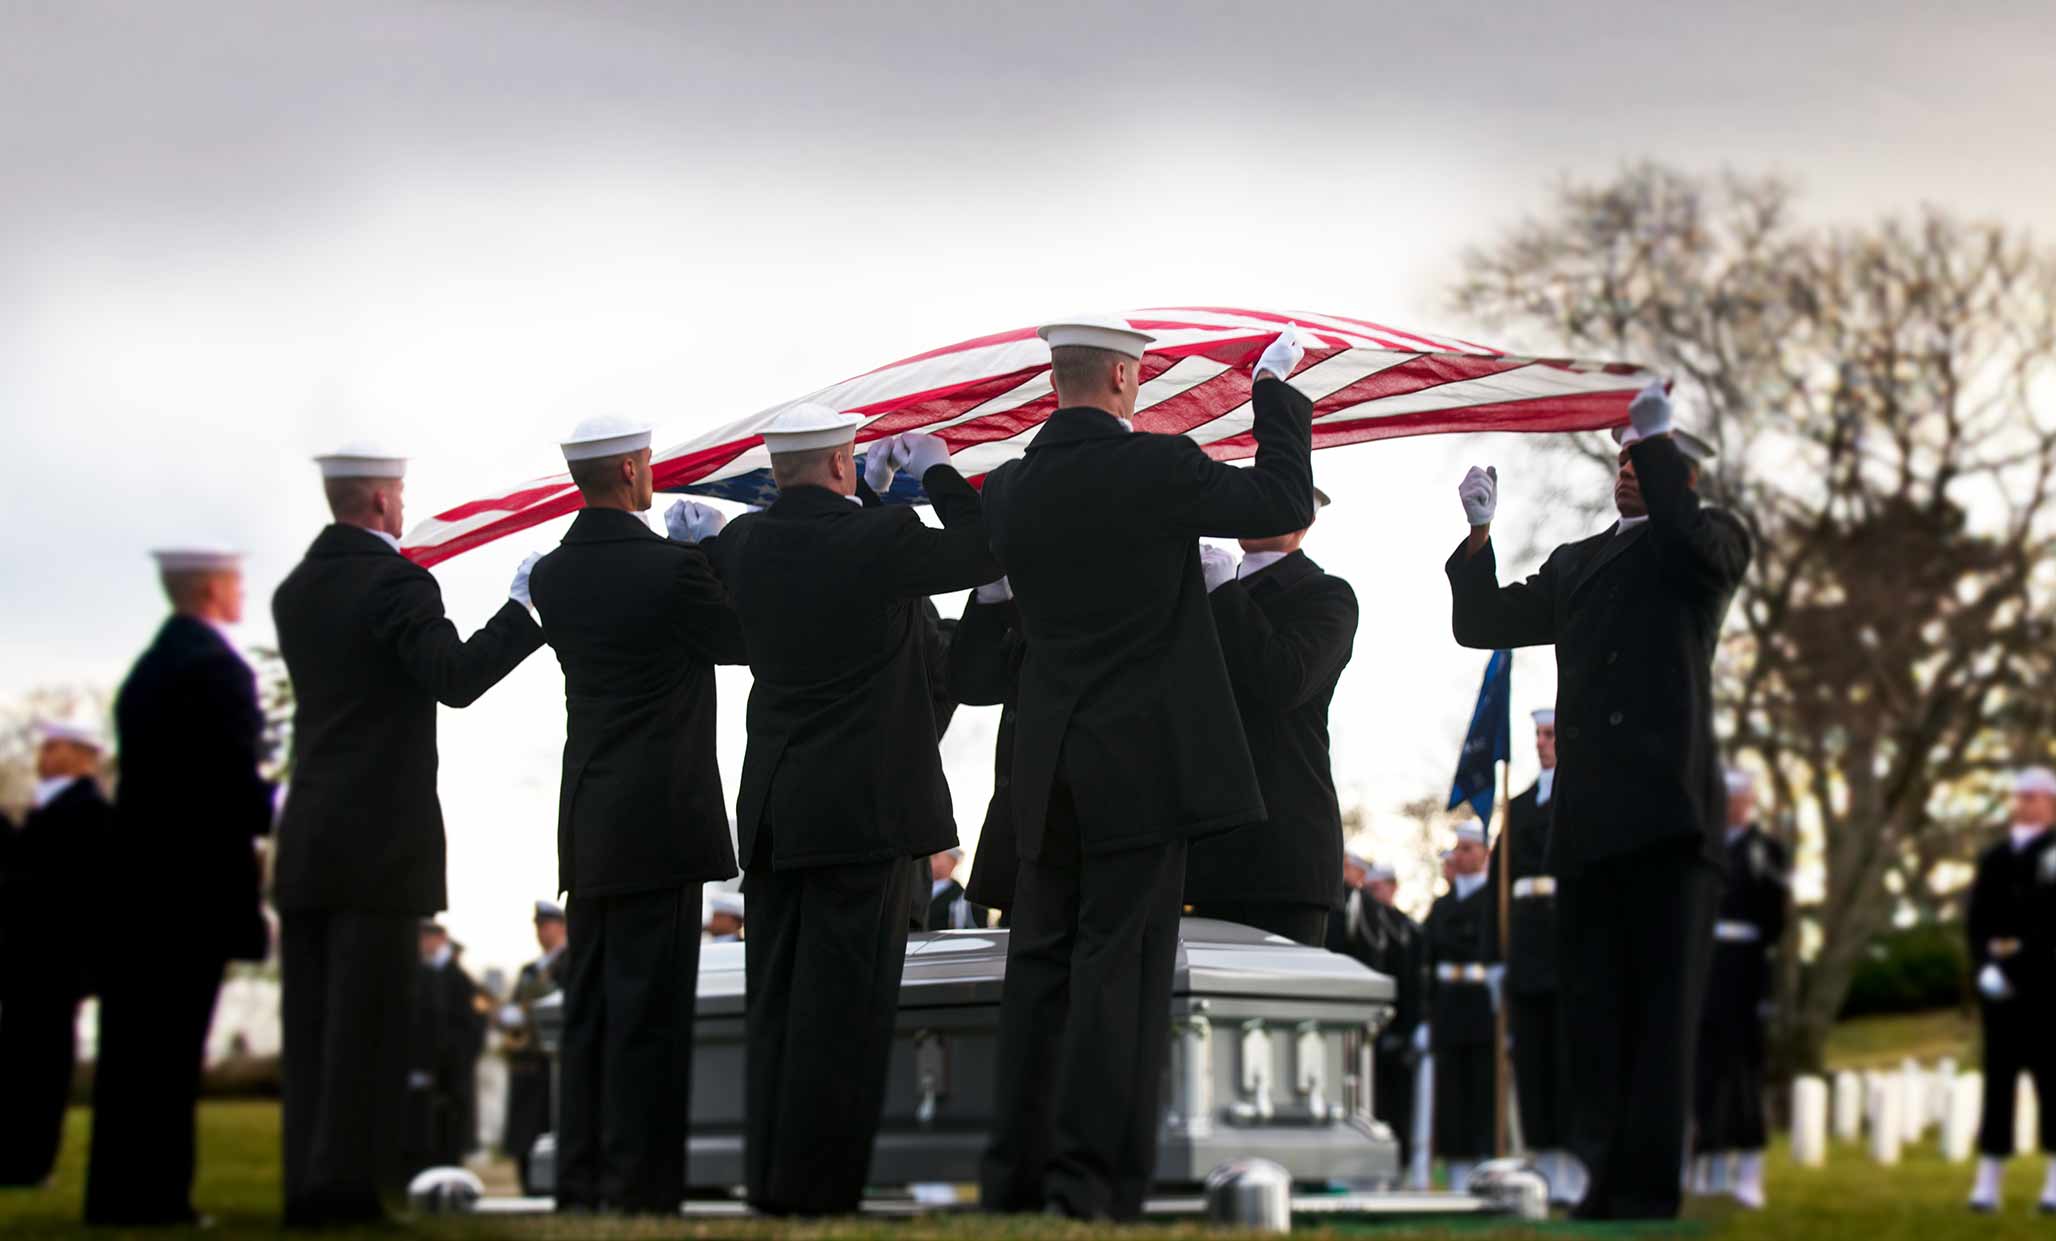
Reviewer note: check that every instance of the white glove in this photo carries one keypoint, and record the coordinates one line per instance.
(518, 592)
(1991, 981)
(1216, 565)
(1421, 1038)
(922, 452)
(689, 521)
(881, 462)
(994, 592)
(1281, 355)
(1650, 414)
(1479, 492)
(511, 1017)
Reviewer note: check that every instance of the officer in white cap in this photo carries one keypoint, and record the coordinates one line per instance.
(948, 910)
(1097, 528)
(528, 1066)
(360, 841)
(2012, 926)
(842, 785)
(638, 621)
(1374, 930)
(724, 920)
(191, 808)
(59, 851)
(1634, 612)
(1460, 1011)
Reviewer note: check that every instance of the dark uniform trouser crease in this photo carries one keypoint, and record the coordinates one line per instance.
(37, 1053)
(155, 1008)
(825, 951)
(1540, 1069)
(631, 971)
(1084, 1025)
(2016, 1042)
(347, 983)
(1634, 938)
(1464, 1111)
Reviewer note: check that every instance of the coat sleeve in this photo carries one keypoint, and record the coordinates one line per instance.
(712, 626)
(1281, 666)
(1275, 496)
(1977, 919)
(981, 654)
(225, 731)
(927, 561)
(408, 614)
(1773, 891)
(1700, 548)
(1487, 616)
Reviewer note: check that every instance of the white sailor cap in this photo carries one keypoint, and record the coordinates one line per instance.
(2035, 780)
(1321, 499)
(1545, 718)
(72, 731)
(1352, 858)
(1473, 831)
(808, 427)
(197, 559)
(1740, 782)
(955, 851)
(548, 911)
(1695, 449)
(361, 459)
(1381, 872)
(605, 435)
(729, 903)
(1108, 332)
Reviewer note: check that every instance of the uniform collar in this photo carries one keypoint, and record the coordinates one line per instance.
(1280, 570)
(936, 887)
(1626, 524)
(1545, 784)
(2025, 836)
(808, 498)
(1465, 885)
(1256, 562)
(608, 525)
(1078, 422)
(442, 957)
(50, 790)
(550, 957)
(1736, 833)
(343, 539)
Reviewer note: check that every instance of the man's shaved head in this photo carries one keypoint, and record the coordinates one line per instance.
(834, 468)
(1100, 378)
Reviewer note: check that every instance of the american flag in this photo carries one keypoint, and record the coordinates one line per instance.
(986, 397)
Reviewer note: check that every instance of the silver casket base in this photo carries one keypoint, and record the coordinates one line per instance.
(1270, 1059)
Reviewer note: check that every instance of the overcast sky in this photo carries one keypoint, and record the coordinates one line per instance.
(232, 235)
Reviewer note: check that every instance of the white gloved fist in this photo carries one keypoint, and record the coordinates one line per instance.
(994, 592)
(1992, 984)
(689, 521)
(922, 452)
(1216, 565)
(881, 462)
(1479, 492)
(1650, 414)
(1281, 355)
(512, 1017)
(518, 592)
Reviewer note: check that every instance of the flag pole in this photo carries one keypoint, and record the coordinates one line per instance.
(1502, 1075)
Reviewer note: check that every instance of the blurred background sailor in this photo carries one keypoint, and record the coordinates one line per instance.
(528, 1066)
(725, 918)
(948, 908)
(1460, 1022)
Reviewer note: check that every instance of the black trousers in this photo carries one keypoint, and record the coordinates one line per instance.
(1634, 936)
(1392, 1093)
(1540, 1071)
(632, 970)
(1464, 1110)
(156, 1004)
(38, 1051)
(826, 948)
(528, 1110)
(2017, 1040)
(1300, 923)
(1084, 1029)
(1727, 1095)
(347, 978)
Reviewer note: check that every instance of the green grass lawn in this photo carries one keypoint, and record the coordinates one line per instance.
(1882, 1042)
(1921, 1200)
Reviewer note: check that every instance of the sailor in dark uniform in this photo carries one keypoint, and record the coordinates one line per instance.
(726, 918)
(1374, 930)
(1730, 1133)
(985, 670)
(1540, 1069)
(1635, 613)
(948, 908)
(191, 807)
(1460, 1012)
(1128, 744)
(1286, 627)
(45, 970)
(529, 1114)
(360, 840)
(842, 786)
(637, 621)
(2012, 927)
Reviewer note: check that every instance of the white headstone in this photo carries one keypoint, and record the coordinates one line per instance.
(1959, 1122)
(1848, 1107)
(1809, 1122)
(1886, 1126)
(1940, 1083)
(2027, 1120)
(1913, 1117)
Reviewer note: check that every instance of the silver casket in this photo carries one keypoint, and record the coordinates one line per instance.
(1270, 1059)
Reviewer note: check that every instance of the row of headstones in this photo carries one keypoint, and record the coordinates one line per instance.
(1894, 1109)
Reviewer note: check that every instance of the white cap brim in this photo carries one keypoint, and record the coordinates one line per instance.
(810, 427)
(1691, 446)
(77, 734)
(1109, 334)
(1545, 718)
(611, 446)
(362, 460)
(2035, 780)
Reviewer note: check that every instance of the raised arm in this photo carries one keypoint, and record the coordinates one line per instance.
(927, 561)
(1283, 667)
(984, 654)
(713, 628)
(1701, 548)
(1486, 616)
(408, 613)
(1274, 496)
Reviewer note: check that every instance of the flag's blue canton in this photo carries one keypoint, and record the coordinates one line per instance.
(756, 488)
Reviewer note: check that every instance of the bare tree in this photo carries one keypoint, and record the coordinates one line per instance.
(1884, 399)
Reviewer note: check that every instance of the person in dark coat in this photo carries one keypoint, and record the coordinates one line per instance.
(528, 1066)
(45, 971)
(1461, 1020)
(1127, 745)
(638, 622)
(360, 839)
(1541, 1071)
(1635, 613)
(2011, 923)
(985, 670)
(948, 908)
(464, 1008)
(430, 1137)
(935, 650)
(1728, 1098)
(842, 787)
(1286, 629)
(1374, 930)
(191, 808)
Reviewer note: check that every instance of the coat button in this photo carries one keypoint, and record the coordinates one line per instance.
(1613, 657)
(1615, 718)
